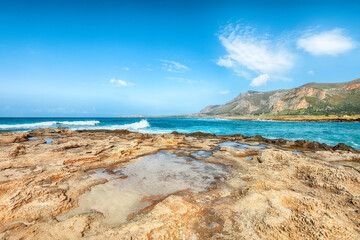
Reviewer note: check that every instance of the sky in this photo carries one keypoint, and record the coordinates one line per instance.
(111, 58)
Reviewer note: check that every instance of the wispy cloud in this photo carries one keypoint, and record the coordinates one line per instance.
(310, 72)
(121, 83)
(224, 92)
(331, 42)
(126, 68)
(249, 54)
(172, 66)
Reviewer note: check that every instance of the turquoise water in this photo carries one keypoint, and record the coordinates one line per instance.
(325, 132)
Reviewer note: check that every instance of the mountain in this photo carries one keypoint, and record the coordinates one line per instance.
(309, 99)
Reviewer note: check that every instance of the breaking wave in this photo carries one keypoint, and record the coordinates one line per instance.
(137, 125)
(263, 120)
(131, 126)
(47, 124)
(27, 125)
(80, 123)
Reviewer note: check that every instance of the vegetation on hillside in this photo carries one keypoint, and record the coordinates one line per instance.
(309, 99)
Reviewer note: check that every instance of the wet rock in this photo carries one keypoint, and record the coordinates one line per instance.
(233, 137)
(311, 145)
(48, 131)
(176, 133)
(200, 134)
(344, 147)
(280, 141)
(114, 132)
(258, 137)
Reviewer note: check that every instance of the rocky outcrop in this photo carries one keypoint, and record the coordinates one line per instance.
(278, 190)
(309, 92)
(278, 106)
(13, 137)
(302, 104)
(352, 86)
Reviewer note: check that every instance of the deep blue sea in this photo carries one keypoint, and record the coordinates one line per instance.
(325, 132)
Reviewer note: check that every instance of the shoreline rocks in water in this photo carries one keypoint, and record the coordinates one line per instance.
(274, 188)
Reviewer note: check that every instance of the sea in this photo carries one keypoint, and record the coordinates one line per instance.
(324, 132)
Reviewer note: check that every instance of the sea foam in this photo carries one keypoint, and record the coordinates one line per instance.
(131, 126)
(137, 125)
(263, 120)
(47, 124)
(80, 123)
(27, 125)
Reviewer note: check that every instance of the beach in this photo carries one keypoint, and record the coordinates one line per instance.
(116, 184)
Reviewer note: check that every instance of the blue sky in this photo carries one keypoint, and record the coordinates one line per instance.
(110, 58)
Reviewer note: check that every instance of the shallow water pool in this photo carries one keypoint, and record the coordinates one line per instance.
(139, 185)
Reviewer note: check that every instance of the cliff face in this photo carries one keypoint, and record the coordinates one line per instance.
(311, 98)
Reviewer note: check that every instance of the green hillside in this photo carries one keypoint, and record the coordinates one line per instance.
(310, 99)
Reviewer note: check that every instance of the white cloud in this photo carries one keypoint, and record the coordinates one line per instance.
(332, 42)
(225, 62)
(126, 68)
(260, 80)
(172, 66)
(224, 92)
(311, 72)
(121, 83)
(249, 54)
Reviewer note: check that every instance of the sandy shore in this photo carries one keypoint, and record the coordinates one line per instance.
(62, 184)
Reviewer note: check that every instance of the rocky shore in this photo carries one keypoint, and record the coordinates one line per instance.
(63, 184)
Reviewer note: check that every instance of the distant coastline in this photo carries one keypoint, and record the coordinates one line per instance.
(297, 118)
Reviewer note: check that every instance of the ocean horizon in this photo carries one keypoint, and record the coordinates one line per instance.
(330, 133)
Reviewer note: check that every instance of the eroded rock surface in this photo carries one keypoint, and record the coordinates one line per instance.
(272, 189)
